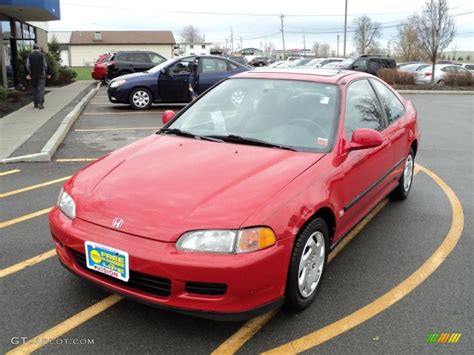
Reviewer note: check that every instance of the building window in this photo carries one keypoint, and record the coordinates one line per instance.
(191, 46)
(6, 27)
(203, 46)
(18, 32)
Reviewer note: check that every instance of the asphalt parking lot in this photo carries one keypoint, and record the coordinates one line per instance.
(37, 295)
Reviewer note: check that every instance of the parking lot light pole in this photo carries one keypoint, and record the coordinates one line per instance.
(283, 35)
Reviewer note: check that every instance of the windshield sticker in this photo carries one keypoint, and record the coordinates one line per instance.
(322, 141)
(219, 122)
(324, 100)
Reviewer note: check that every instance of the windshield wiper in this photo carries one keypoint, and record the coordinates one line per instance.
(231, 138)
(178, 132)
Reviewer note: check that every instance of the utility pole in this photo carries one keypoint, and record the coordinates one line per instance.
(231, 40)
(304, 45)
(345, 30)
(283, 36)
(337, 46)
(226, 45)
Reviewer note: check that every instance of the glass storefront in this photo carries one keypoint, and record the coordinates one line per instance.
(17, 36)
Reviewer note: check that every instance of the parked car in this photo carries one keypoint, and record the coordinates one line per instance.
(413, 68)
(368, 63)
(321, 62)
(448, 62)
(277, 64)
(169, 81)
(260, 61)
(99, 71)
(332, 65)
(468, 66)
(299, 62)
(232, 207)
(440, 73)
(128, 62)
(239, 59)
(400, 65)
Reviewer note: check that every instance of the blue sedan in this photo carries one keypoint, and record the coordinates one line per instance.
(168, 82)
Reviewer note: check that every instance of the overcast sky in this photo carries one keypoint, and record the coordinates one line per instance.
(320, 20)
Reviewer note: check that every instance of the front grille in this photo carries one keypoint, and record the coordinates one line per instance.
(158, 286)
(203, 288)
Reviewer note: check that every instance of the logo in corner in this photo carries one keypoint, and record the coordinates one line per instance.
(117, 223)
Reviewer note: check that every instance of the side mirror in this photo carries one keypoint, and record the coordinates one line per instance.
(364, 138)
(167, 116)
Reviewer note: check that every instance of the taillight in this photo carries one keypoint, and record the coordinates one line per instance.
(428, 74)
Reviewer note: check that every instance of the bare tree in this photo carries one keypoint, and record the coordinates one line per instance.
(324, 50)
(435, 29)
(407, 45)
(454, 49)
(191, 34)
(366, 33)
(316, 49)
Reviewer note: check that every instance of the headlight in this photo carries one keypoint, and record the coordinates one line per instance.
(227, 241)
(117, 83)
(66, 204)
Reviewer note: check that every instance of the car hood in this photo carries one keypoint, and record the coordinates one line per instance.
(131, 76)
(166, 185)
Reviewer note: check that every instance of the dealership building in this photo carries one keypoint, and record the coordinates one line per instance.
(22, 23)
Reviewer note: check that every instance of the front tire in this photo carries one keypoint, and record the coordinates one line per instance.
(404, 185)
(140, 99)
(307, 265)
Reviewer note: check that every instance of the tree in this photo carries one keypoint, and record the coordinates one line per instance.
(454, 49)
(55, 49)
(366, 33)
(407, 45)
(316, 49)
(435, 29)
(324, 50)
(191, 34)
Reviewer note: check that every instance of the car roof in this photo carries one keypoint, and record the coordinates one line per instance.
(302, 73)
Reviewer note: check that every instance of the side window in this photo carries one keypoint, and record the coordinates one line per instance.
(181, 67)
(362, 108)
(233, 66)
(392, 105)
(361, 64)
(123, 57)
(139, 57)
(155, 58)
(211, 65)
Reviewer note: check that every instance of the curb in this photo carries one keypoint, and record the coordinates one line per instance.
(53, 143)
(436, 92)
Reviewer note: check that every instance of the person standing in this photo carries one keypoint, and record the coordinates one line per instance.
(38, 71)
(193, 77)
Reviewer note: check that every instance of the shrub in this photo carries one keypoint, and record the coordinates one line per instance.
(3, 93)
(14, 95)
(464, 79)
(65, 76)
(393, 76)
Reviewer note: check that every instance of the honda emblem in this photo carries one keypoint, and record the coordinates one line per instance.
(117, 223)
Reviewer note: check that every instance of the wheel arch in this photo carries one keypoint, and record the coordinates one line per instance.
(414, 146)
(328, 216)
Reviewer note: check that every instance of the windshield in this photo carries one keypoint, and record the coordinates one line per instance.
(163, 65)
(347, 62)
(296, 114)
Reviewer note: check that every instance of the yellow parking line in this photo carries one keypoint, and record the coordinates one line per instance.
(250, 328)
(65, 326)
(114, 129)
(27, 263)
(4, 173)
(25, 217)
(395, 294)
(33, 187)
(75, 159)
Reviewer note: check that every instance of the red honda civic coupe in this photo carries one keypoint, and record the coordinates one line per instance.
(233, 206)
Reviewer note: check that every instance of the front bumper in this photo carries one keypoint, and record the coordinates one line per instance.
(255, 282)
(118, 95)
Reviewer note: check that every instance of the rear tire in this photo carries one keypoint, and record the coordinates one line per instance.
(140, 99)
(307, 265)
(404, 185)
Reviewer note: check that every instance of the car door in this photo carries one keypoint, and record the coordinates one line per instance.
(140, 61)
(398, 130)
(365, 171)
(211, 71)
(173, 81)
(360, 65)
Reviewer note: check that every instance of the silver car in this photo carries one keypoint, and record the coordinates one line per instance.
(440, 73)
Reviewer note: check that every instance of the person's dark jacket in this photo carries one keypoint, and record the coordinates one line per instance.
(37, 64)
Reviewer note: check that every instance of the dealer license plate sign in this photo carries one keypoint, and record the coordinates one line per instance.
(107, 260)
